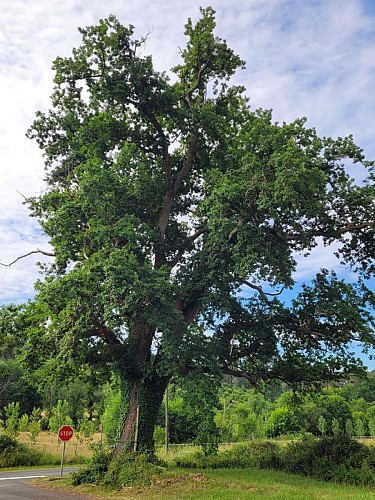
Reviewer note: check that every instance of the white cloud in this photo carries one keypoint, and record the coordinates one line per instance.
(304, 58)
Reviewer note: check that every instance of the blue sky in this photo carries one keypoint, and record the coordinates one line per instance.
(304, 58)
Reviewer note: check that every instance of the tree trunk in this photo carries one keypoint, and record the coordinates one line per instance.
(141, 401)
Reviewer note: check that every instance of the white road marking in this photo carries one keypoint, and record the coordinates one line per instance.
(18, 477)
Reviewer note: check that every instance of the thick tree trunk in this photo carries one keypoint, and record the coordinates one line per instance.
(141, 401)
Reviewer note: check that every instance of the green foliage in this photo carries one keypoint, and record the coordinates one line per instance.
(126, 469)
(12, 411)
(16, 386)
(96, 469)
(349, 429)
(159, 435)
(35, 424)
(336, 428)
(86, 427)
(14, 454)
(254, 454)
(241, 414)
(332, 458)
(24, 423)
(132, 470)
(282, 421)
(322, 425)
(60, 416)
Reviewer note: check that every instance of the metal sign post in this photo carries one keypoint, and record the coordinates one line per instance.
(62, 459)
(65, 433)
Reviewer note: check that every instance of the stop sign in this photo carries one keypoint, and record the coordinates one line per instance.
(65, 432)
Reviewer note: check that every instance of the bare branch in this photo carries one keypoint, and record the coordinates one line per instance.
(333, 233)
(259, 289)
(48, 254)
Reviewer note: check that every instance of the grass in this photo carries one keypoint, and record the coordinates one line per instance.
(234, 484)
(76, 450)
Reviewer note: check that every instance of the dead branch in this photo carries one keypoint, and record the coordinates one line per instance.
(49, 254)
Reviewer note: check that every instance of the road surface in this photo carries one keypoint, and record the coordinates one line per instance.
(15, 485)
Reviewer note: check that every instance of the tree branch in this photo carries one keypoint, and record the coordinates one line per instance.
(49, 254)
(170, 196)
(333, 233)
(259, 289)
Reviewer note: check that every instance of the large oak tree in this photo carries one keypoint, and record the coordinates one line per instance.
(167, 197)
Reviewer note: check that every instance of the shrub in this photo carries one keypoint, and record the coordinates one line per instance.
(333, 458)
(132, 470)
(15, 454)
(127, 469)
(96, 469)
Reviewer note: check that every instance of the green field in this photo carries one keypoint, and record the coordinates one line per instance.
(225, 484)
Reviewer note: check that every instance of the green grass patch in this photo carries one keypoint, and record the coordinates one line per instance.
(224, 484)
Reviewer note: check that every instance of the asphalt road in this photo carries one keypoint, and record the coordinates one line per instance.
(16, 485)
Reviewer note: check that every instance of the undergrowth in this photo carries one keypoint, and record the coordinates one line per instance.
(126, 469)
(337, 458)
(15, 454)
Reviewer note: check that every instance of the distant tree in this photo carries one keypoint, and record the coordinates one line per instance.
(165, 198)
(16, 387)
(335, 410)
(282, 421)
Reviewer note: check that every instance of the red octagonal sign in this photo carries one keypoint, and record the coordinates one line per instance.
(65, 432)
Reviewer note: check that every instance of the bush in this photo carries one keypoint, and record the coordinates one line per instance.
(132, 470)
(127, 469)
(333, 458)
(15, 454)
(95, 471)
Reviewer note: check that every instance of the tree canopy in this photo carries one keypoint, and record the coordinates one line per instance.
(166, 197)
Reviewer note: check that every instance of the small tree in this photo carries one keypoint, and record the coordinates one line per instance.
(322, 425)
(359, 426)
(12, 411)
(371, 426)
(60, 416)
(35, 424)
(336, 427)
(24, 423)
(349, 428)
(86, 428)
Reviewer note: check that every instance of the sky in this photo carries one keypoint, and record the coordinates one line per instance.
(313, 58)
